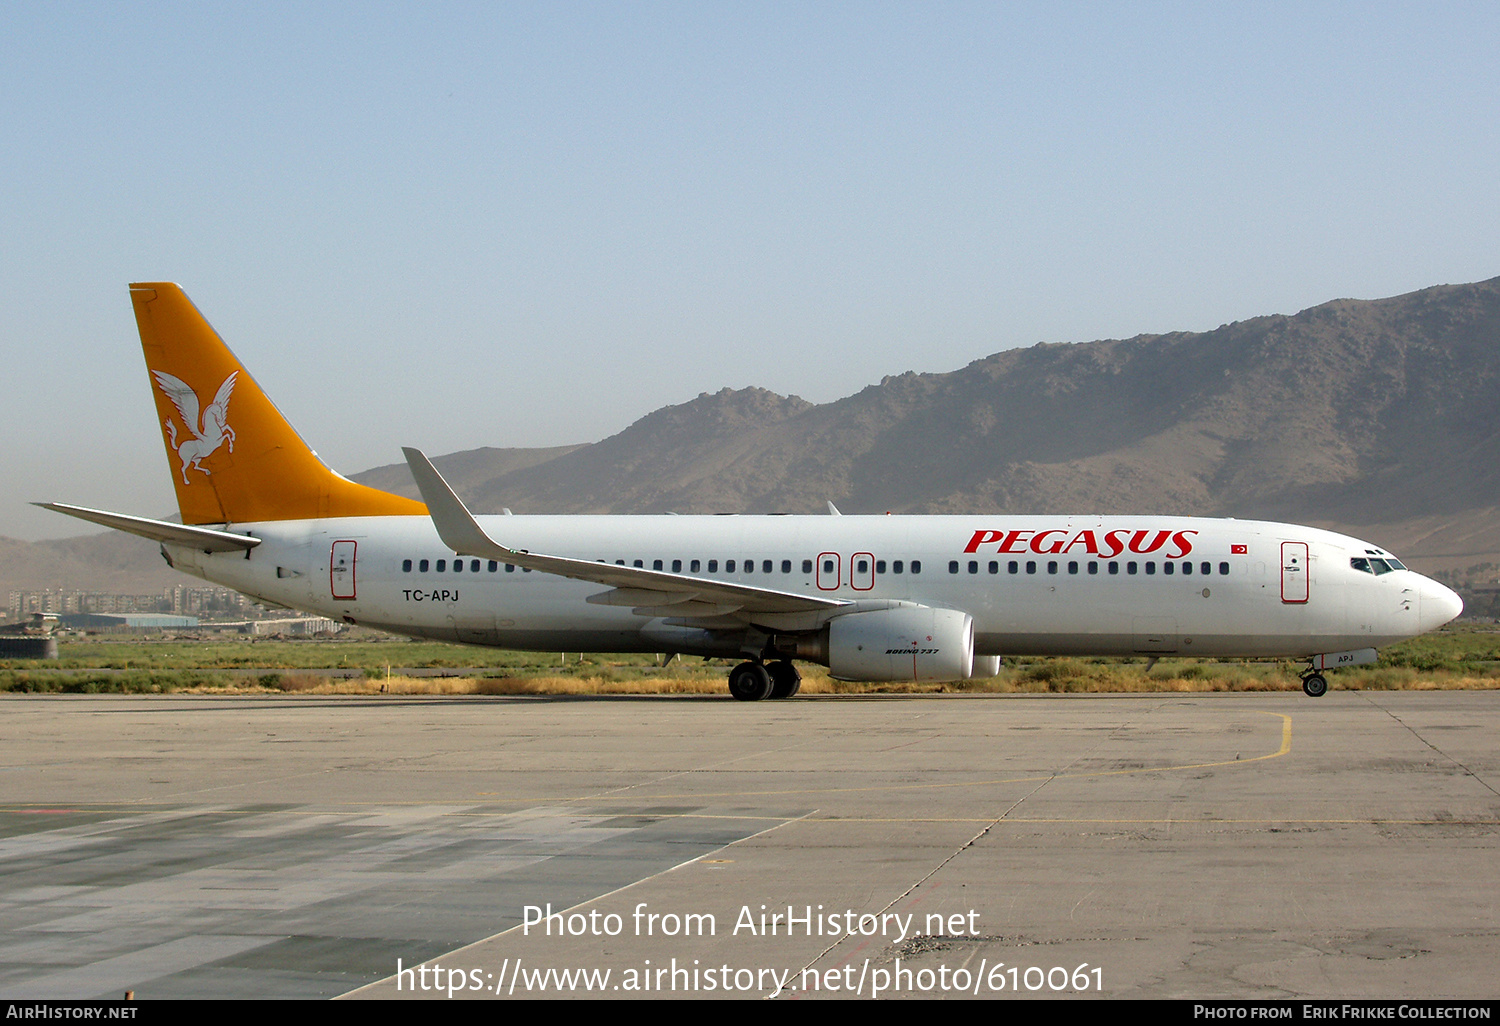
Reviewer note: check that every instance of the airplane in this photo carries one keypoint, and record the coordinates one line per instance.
(872, 598)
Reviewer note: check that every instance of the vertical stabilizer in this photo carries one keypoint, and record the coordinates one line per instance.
(233, 456)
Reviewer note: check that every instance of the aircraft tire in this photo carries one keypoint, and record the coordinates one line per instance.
(1314, 685)
(785, 680)
(750, 682)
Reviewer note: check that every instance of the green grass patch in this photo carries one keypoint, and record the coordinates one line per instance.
(1462, 657)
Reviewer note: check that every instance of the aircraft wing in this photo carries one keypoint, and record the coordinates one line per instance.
(205, 538)
(649, 592)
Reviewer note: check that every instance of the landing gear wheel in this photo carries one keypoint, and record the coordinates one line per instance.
(1314, 685)
(785, 680)
(750, 682)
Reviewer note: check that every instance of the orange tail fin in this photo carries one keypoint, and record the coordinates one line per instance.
(234, 458)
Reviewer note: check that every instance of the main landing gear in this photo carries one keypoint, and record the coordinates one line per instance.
(1314, 684)
(753, 681)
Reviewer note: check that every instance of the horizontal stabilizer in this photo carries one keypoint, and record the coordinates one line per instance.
(204, 538)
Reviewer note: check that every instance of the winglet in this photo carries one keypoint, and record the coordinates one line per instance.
(455, 524)
(833, 510)
(459, 531)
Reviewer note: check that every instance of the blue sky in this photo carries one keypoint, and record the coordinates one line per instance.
(529, 224)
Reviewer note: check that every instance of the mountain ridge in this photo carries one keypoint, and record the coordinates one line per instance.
(1377, 417)
(1350, 410)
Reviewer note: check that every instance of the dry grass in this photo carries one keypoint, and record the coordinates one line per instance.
(1049, 676)
(1465, 658)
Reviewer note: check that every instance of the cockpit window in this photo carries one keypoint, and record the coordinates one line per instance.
(1396, 564)
(1375, 566)
(1361, 564)
(1380, 566)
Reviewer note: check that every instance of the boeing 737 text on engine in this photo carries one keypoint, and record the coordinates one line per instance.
(873, 598)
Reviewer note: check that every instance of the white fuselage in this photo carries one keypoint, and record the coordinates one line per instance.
(1034, 585)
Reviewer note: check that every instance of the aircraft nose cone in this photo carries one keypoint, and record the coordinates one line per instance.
(1438, 605)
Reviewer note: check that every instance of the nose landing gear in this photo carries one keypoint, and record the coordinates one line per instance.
(1314, 684)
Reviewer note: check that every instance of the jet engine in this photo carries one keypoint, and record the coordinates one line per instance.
(906, 643)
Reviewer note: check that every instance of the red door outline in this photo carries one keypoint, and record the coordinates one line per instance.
(341, 584)
(862, 580)
(1294, 579)
(828, 580)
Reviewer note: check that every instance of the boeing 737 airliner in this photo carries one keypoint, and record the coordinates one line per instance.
(873, 598)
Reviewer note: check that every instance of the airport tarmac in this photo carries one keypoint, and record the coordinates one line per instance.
(1163, 846)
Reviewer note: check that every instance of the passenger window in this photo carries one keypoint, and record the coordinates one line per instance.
(442, 565)
(786, 566)
(1167, 568)
(1130, 567)
(916, 566)
(880, 566)
(1052, 566)
(765, 566)
(473, 566)
(638, 564)
(896, 566)
(1207, 568)
(1031, 566)
(973, 566)
(656, 564)
(863, 566)
(1114, 567)
(807, 566)
(713, 565)
(1093, 566)
(1223, 568)
(458, 566)
(619, 562)
(422, 566)
(406, 566)
(493, 566)
(828, 566)
(677, 566)
(1150, 567)
(1187, 567)
(695, 566)
(1072, 566)
(994, 566)
(510, 568)
(953, 566)
(1013, 567)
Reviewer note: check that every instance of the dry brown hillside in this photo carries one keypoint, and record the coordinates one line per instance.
(1381, 417)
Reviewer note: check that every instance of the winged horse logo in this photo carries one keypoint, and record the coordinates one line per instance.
(214, 430)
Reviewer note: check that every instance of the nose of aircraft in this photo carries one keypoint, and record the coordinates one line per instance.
(1438, 605)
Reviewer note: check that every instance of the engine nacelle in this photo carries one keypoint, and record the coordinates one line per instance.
(906, 643)
(985, 667)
